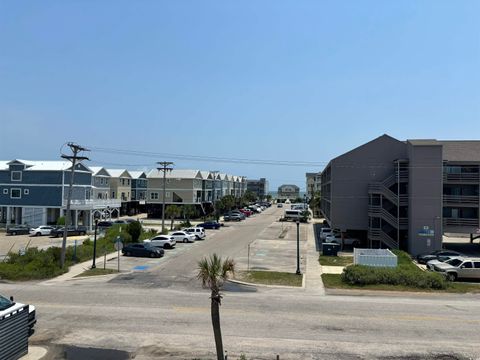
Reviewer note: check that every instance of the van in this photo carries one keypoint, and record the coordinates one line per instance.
(292, 214)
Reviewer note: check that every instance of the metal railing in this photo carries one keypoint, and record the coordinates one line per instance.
(461, 199)
(377, 211)
(465, 177)
(379, 235)
(460, 222)
(94, 203)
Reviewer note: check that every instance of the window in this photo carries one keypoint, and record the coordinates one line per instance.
(167, 193)
(467, 265)
(15, 194)
(154, 196)
(133, 194)
(16, 176)
(26, 191)
(476, 264)
(5, 191)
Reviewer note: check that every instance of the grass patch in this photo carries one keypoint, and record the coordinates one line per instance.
(334, 281)
(97, 271)
(335, 260)
(38, 264)
(270, 278)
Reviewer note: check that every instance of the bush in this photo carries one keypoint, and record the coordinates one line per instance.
(361, 275)
(135, 230)
(61, 221)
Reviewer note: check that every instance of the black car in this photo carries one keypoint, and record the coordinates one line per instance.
(144, 249)
(210, 225)
(424, 258)
(18, 230)
(104, 224)
(71, 231)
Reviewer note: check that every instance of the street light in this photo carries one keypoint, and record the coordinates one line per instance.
(298, 272)
(95, 244)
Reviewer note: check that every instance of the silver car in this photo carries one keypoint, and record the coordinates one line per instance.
(460, 268)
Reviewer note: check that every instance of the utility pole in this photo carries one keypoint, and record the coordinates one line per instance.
(165, 166)
(74, 159)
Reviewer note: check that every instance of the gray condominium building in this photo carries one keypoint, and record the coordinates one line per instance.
(404, 194)
(259, 187)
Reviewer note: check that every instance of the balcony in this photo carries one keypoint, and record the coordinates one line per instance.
(460, 200)
(460, 222)
(89, 204)
(461, 177)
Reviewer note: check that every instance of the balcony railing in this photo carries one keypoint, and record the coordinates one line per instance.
(460, 222)
(461, 199)
(86, 204)
(465, 177)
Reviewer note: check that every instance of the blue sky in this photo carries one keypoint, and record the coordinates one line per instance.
(277, 80)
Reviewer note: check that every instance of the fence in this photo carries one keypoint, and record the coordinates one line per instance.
(374, 257)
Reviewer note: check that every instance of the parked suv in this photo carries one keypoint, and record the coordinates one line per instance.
(232, 217)
(337, 239)
(162, 241)
(324, 232)
(460, 268)
(199, 232)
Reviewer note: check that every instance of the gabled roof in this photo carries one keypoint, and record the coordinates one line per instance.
(44, 165)
(138, 174)
(467, 150)
(206, 175)
(117, 173)
(99, 171)
(174, 174)
(223, 176)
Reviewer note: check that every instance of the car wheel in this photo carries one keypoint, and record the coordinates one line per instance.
(167, 246)
(38, 234)
(185, 240)
(127, 253)
(14, 233)
(452, 276)
(152, 255)
(84, 233)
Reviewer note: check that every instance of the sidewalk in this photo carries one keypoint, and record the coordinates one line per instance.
(79, 268)
(313, 275)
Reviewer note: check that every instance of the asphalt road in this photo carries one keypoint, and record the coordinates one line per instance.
(164, 313)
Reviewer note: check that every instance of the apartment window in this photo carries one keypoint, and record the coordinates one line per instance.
(5, 191)
(15, 194)
(26, 191)
(133, 194)
(113, 194)
(16, 176)
(167, 194)
(154, 196)
(128, 182)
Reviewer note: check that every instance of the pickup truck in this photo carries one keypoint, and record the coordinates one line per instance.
(9, 306)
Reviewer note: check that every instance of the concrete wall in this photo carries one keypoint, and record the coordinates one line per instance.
(425, 198)
(350, 175)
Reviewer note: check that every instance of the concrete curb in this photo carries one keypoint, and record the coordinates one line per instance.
(267, 286)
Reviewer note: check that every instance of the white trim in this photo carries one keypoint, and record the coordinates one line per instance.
(46, 185)
(14, 172)
(19, 190)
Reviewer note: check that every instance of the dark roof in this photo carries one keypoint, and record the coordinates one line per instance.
(455, 150)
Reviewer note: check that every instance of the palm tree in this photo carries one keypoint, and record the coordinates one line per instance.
(213, 272)
(172, 212)
(189, 211)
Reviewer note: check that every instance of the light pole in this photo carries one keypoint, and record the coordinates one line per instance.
(165, 166)
(298, 272)
(95, 244)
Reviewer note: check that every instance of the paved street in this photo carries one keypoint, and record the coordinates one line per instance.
(163, 312)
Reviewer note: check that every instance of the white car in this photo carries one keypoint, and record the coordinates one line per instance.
(182, 236)
(41, 230)
(199, 232)
(441, 259)
(324, 232)
(163, 241)
(337, 239)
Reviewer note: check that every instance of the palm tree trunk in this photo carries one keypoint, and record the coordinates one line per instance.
(171, 224)
(217, 332)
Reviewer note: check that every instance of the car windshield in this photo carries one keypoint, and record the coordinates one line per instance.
(454, 262)
(5, 303)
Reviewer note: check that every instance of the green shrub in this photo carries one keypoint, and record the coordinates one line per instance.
(135, 230)
(61, 221)
(361, 275)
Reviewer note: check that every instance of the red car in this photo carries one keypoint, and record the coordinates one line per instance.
(246, 212)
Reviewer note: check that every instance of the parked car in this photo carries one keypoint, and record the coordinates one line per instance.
(124, 221)
(460, 268)
(324, 232)
(232, 217)
(347, 240)
(104, 224)
(163, 241)
(144, 249)
(18, 230)
(210, 225)
(71, 231)
(424, 258)
(182, 236)
(441, 259)
(41, 230)
(246, 212)
(279, 205)
(239, 213)
(199, 232)
(9, 307)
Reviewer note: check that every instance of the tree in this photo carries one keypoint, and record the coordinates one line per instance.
(250, 196)
(212, 273)
(172, 212)
(135, 230)
(226, 203)
(189, 211)
(268, 197)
